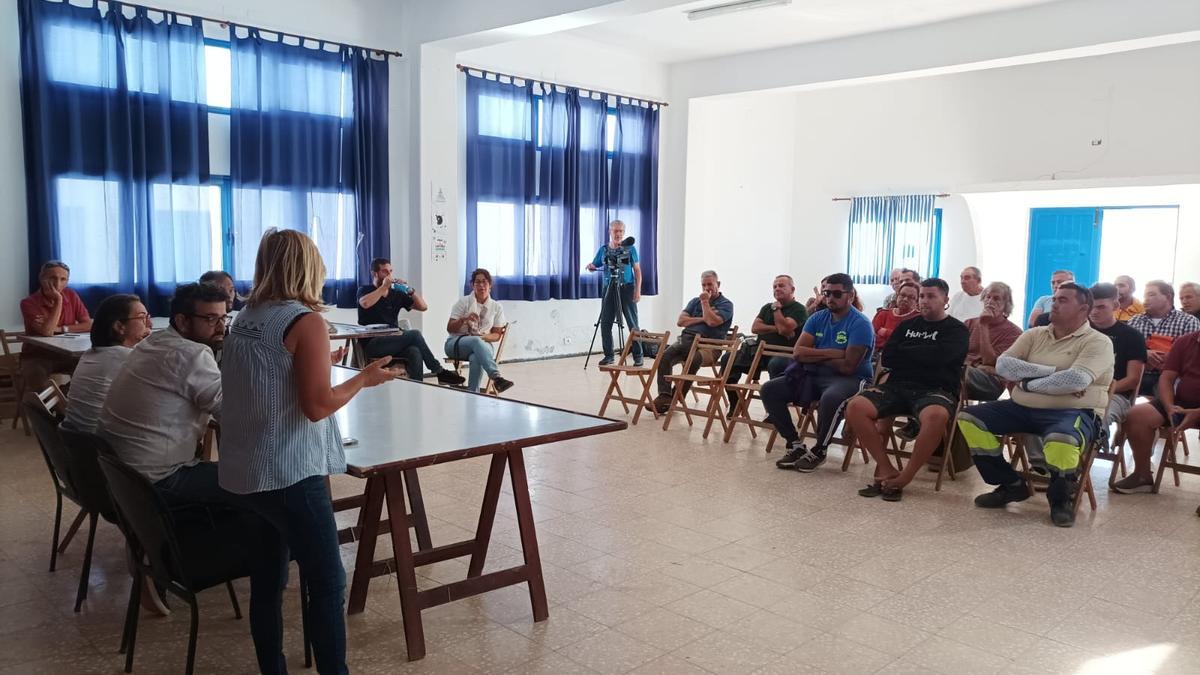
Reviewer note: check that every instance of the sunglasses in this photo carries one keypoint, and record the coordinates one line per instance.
(836, 295)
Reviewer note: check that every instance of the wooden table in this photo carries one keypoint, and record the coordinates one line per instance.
(75, 344)
(353, 334)
(404, 425)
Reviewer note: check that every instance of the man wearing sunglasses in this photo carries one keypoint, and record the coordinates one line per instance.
(832, 360)
(159, 404)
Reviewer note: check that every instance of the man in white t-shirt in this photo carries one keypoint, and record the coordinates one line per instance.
(968, 303)
(477, 320)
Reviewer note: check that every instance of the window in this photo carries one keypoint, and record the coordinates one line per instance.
(89, 211)
(218, 73)
(875, 248)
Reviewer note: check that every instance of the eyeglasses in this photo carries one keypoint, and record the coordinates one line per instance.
(137, 317)
(480, 282)
(212, 320)
(836, 295)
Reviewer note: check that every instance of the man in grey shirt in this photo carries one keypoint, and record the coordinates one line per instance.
(159, 405)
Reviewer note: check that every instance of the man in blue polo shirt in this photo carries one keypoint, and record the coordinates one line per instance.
(709, 315)
(628, 290)
(833, 360)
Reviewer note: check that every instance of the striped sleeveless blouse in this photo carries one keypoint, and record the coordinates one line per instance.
(267, 443)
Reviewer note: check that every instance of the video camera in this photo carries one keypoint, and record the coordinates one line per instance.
(615, 259)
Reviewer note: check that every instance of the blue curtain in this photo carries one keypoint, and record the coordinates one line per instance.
(889, 232)
(634, 191)
(543, 184)
(304, 156)
(116, 147)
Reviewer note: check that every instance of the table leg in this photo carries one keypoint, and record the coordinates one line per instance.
(419, 519)
(487, 514)
(529, 545)
(406, 577)
(368, 519)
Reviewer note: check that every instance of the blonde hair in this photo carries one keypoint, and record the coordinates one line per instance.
(288, 267)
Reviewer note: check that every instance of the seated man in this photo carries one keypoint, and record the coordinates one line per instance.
(1189, 298)
(52, 308)
(380, 303)
(991, 335)
(1064, 371)
(1177, 403)
(906, 276)
(832, 359)
(223, 280)
(778, 323)
(968, 303)
(922, 366)
(121, 322)
(1160, 325)
(1044, 303)
(708, 315)
(1127, 306)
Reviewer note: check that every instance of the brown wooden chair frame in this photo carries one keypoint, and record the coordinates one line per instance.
(644, 373)
(750, 390)
(713, 385)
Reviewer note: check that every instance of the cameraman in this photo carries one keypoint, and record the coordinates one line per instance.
(622, 261)
(380, 303)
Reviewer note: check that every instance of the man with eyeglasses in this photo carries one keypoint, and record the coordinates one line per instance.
(159, 405)
(832, 360)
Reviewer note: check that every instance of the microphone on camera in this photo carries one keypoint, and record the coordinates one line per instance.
(627, 242)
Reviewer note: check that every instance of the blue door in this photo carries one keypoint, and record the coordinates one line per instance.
(1061, 239)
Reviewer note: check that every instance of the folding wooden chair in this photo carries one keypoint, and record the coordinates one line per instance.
(490, 387)
(731, 334)
(644, 373)
(749, 391)
(12, 388)
(713, 385)
(1039, 483)
(1172, 439)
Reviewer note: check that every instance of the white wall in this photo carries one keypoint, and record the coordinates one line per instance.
(740, 177)
(541, 329)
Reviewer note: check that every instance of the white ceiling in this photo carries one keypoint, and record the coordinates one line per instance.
(667, 35)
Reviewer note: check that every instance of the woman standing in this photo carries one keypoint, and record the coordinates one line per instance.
(475, 321)
(279, 442)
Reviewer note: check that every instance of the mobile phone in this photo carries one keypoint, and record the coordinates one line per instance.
(348, 441)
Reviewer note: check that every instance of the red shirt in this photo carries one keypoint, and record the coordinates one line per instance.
(37, 307)
(1003, 334)
(1184, 358)
(885, 323)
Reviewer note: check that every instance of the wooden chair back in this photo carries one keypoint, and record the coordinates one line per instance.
(644, 373)
(721, 352)
(749, 391)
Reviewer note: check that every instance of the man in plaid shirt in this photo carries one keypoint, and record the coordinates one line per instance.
(1160, 325)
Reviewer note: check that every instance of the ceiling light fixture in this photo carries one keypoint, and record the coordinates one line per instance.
(731, 7)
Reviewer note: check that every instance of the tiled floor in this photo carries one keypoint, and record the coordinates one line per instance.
(665, 553)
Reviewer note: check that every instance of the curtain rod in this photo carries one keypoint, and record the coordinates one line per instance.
(850, 199)
(225, 23)
(464, 69)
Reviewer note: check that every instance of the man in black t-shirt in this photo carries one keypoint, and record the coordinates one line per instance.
(379, 303)
(922, 375)
(1129, 356)
(778, 323)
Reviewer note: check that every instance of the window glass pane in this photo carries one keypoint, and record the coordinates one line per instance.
(217, 73)
(331, 226)
(88, 220)
(503, 118)
(495, 236)
(185, 227)
(589, 235)
(610, 132)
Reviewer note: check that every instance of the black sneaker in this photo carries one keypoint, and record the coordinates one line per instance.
(502, 385)
(447, 376)
(909, 431)
(607, 361)
(810, 460)
(662, 404)
(638, 362)
(795, 451)
(1003, 494)
(1062, 515)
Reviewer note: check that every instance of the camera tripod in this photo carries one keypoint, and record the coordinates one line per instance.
(613, 274)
